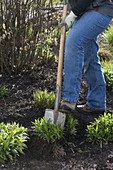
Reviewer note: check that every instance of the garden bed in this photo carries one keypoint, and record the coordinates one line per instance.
(19, 106)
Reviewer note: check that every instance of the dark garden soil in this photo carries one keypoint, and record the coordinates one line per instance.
(19, 106)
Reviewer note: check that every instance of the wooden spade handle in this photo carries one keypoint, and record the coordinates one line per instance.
(61, 50)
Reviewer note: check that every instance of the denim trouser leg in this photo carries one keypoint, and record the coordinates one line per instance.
(84, 32)
(93, 73)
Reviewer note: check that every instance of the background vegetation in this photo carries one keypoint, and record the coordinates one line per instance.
(27, 32)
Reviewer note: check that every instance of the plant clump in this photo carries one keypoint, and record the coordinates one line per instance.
(44, 98)
(51, 133)
(47, 131)
(12, 141)
(101, 130)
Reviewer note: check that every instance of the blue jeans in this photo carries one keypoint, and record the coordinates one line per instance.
(81, 53)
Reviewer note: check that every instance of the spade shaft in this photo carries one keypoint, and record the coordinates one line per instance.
(60, 66)
(54, 116)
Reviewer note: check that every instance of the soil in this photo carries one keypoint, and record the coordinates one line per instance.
(19, 106)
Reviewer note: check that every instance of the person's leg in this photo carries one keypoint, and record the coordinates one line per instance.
(96, 97)
(86, 29)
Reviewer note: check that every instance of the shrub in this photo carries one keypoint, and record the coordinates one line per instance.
(47, 131)
(12, 140)
(101, 130)
(25, 26)
(44, 98)
(48, 48)
(3, 90)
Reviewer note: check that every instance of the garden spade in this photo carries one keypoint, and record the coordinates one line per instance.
(55, 116)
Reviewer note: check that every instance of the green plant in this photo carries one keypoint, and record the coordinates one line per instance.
(44, 98)
(12, 140)
(109, 79)
(109, 35)
(3, 90)
(108, 73)
(71, 124)
(101, 130)
(107, 65)
(47, 131)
